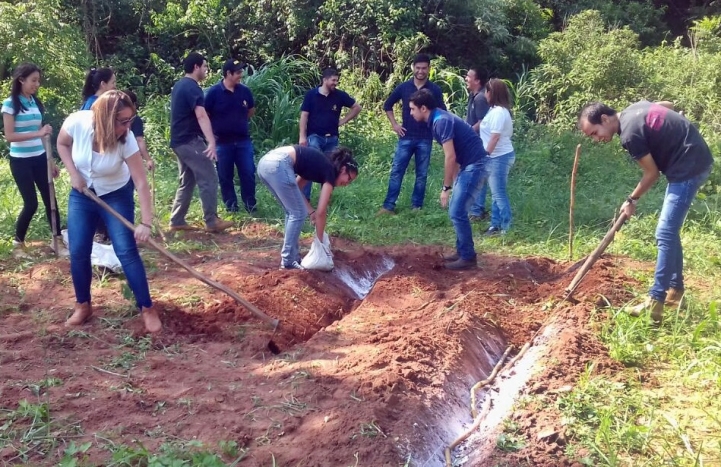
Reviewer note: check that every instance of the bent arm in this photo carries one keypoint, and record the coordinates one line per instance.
(352, 113)
(137, 173)
(13, 136)
(649, 177)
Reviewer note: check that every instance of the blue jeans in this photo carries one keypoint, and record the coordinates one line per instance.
(497, 169)
(276, 171)
(669, 262)
(83, 215)
(465, 191)
(231, 156)
(404, 151)
(479, 204)
(325, 144)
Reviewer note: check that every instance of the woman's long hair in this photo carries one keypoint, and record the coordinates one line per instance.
(500, 95)
(105, 112)
(343, 157)
(93, 80)
(22, 72)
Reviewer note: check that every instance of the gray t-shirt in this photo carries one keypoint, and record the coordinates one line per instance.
(675, 145)
(477, 107)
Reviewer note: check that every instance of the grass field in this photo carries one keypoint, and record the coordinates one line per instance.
(664, 409)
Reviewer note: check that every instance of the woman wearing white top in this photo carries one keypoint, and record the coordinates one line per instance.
(496, 131)
(101, 153)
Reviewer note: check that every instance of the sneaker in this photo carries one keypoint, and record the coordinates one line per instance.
(451, 257)
(181, 227)
(385, 212)
(416, 208)
(493, 231)
(20, 250)
(461, 264)
(479, 218)
(218, 225)
(293, 265)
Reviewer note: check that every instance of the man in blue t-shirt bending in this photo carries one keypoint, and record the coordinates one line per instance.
(320, 115)
(660, 141)
(463, 171)
(413, 137)
(230, 106)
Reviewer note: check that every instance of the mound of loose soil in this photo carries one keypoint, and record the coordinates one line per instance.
(344, 381)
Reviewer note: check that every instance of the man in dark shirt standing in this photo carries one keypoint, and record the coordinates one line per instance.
(477, 109)
(414, 136)
(463, 171)
(188, 124)
(320, 115)
(661, 141)
(230, 105)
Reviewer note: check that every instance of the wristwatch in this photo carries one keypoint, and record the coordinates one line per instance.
(446, 188)
(632, 200)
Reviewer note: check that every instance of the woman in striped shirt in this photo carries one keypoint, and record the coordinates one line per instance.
(22, 118)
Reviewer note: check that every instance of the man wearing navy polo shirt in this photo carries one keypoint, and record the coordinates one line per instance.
(414, 137)
(463, 171)
(320, 115)
(230, 105)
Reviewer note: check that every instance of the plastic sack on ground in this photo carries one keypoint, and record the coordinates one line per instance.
(319, 257)
(102, 255)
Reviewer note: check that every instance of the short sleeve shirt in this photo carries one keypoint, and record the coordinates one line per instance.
(477, 108)
(324, 111)
(185, 97)
(228, 112)
(467, 144)
(403, 92)
(497, 121)
(106, 172)
(676, 146)
(138, 127)
(311, 164)
(26, 121)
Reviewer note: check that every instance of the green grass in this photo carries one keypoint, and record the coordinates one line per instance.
(663, 409)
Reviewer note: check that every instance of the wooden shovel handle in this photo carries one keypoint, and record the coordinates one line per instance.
(217, 285)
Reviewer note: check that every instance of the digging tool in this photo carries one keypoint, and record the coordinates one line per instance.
(252, 308)
(607, 239)
(51, 186)
(573, 202)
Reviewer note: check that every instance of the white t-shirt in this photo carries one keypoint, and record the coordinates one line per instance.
(102, 172)
(498, 120)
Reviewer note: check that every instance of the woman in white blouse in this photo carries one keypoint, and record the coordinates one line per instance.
(100, 153)
(496, 131)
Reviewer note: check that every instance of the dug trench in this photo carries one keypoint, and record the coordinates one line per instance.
(372, 363)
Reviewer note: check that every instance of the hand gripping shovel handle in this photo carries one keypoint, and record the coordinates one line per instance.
(607, 239)
(217, 285)
(51, 186)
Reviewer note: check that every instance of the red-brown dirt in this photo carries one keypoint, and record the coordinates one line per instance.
(369, 383)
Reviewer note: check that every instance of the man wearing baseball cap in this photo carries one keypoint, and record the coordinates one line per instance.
(230, 105)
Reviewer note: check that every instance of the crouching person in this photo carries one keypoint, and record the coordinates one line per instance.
(286, 170)
(101, 154)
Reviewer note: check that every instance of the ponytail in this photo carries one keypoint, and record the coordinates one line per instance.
(93, 79)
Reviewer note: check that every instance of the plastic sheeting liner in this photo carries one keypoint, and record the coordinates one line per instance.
(102, 255)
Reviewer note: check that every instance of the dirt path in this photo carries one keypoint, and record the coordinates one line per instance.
(348, 382)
